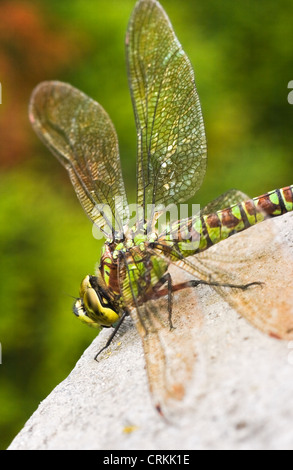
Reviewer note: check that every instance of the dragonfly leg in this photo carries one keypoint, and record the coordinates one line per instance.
(116, 328)
(135, 300)
(197, 282)
(168, 279)
(167, 291)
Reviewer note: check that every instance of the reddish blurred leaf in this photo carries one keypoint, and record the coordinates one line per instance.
(34, 46)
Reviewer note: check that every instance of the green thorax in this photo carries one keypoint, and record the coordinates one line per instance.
(131, 261)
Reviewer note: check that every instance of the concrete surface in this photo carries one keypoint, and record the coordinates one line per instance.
(240, 395)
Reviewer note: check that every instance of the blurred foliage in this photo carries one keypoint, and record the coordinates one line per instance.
(242, 54)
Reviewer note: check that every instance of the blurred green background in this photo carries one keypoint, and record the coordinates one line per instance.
(242, 53)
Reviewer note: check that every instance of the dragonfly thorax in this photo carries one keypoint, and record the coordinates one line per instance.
(100, 303)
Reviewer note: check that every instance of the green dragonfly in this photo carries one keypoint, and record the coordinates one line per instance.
(133, 276)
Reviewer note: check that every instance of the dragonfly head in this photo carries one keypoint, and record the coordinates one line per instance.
(94, 307)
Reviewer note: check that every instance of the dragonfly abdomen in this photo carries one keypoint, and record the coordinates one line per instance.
(234, 219)
(198, 233)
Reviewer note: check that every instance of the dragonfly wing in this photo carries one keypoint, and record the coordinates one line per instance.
(171, 153)
(227, 199)
(81, 135)
(255, 255)
(169, 354)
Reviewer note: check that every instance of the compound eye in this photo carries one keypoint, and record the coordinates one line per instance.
(95, 305)
(91, 300)
(85, 284)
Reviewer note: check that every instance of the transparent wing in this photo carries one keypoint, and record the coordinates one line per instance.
(169, 354)
(259, 254)
(171, 153)
(81, 135)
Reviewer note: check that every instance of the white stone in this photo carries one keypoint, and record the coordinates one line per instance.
(240, 396)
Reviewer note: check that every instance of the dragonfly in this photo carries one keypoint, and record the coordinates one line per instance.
(133, 275)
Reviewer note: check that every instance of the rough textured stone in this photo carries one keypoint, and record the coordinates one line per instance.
(240, 396)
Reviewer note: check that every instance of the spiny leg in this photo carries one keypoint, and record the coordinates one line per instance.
(134, 298)
(110, 339)
(194, 282)
(197, 282)
(167, 291)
